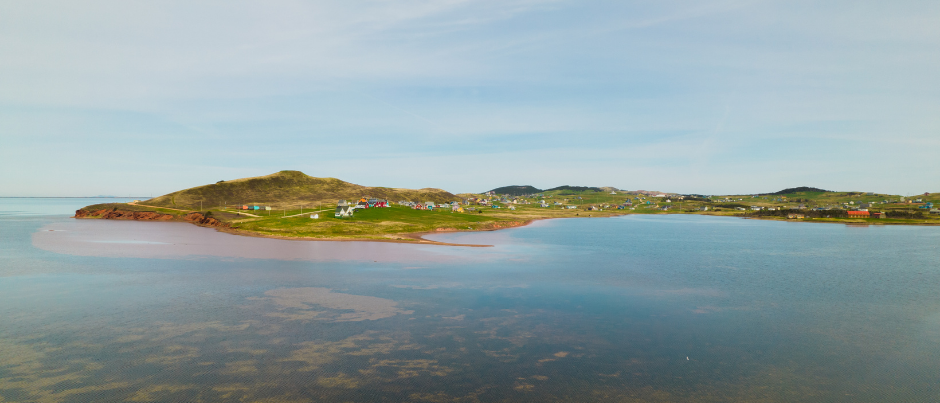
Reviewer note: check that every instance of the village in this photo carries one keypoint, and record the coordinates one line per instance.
(294, 205)
(652, 202)
(760, 206)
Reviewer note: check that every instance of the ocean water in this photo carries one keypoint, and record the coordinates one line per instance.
(627, 309)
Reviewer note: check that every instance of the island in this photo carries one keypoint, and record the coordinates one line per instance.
(293, 205)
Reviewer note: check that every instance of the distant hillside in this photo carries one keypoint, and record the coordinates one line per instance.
(574, 189)
(795, 190)
(516, 190)
(287, 188)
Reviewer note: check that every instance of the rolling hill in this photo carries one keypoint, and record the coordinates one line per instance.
(795, 190)
(288, 188)
(567, 188)
(516, 190)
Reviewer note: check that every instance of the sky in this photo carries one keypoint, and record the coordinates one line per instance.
(710, 97)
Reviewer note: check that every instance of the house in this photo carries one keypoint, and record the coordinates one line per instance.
(362, 204)
(543, 204)
(796, 216)
(934, 211)
(267, 208)
(859, 214)
(703, 208)
(879, 215)
(244, 208)
(513, 208)
(343, 209)
(755, 208)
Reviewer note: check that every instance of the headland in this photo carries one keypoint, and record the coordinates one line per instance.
(292, 205)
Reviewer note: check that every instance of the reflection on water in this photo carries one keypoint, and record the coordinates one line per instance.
(621, 309)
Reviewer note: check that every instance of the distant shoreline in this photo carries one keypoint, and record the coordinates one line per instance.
(74, 197)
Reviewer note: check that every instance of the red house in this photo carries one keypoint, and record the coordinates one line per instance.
(859, 214)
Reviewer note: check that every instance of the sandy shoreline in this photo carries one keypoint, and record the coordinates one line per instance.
(417, 238)
(414, 238)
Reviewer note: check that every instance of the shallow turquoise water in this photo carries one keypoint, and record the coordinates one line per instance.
(636, 308)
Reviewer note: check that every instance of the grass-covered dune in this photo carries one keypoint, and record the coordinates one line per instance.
(288, 188)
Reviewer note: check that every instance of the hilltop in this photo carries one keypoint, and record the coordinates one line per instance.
(516, 190)
(288, 188)
(521, 190)
(796, 190)
(567, 188)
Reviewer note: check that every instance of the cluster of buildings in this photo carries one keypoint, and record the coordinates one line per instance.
(254, 207)
(347, 209)
(452, 206)
(344, 209)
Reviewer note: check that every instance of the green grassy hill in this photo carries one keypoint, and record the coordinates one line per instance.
(287, 188)
(517, 190)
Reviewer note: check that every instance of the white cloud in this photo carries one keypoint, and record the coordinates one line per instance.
(614, 86)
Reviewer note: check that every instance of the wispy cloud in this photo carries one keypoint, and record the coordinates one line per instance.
(673, 95)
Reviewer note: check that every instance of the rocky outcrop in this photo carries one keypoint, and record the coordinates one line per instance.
(200, 219)
(115, 214)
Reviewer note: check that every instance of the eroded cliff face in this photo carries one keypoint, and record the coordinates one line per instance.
(200, 219)
(117, 214)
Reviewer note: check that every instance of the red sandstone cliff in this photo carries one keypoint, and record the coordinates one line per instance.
(115, 214)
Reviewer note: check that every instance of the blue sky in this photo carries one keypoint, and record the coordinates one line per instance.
(136, 98)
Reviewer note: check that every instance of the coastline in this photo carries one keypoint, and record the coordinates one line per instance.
(419, 237)
(835, 221)
(406, 238)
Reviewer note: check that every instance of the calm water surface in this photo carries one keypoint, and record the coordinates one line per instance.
(637, 308)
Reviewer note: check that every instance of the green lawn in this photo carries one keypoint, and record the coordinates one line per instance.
(368, 223)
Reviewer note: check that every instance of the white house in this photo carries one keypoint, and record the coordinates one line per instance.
(343, 209)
